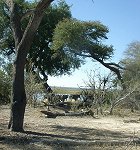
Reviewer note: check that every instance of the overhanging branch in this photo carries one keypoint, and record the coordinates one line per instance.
(116, 65)
(112, 66)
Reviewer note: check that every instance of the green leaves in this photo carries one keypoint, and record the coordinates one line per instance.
(82, 38)
(131, 63)
(5, 87)
(66, 33)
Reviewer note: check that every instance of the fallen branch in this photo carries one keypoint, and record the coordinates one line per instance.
(51, 114)
(56, 106)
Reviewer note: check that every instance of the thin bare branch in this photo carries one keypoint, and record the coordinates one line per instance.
(119, 100)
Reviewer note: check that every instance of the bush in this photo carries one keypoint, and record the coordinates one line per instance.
(5, 88)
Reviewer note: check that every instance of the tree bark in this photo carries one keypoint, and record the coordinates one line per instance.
(19, 98)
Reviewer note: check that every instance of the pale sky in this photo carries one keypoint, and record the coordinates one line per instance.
(122, 17)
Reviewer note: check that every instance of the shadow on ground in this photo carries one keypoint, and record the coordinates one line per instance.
(78, 138)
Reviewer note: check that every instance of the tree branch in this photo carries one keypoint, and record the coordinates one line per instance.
(116, 65)
(118, 101)
(16, 24)
(112, 66)
(42, 5)
(9, 3)
(28, 13)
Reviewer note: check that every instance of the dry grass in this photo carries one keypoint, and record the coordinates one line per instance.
(70, 133)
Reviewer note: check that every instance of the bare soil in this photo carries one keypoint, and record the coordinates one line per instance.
(71, 133)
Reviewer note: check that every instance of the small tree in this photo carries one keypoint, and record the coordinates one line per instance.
(98, 91)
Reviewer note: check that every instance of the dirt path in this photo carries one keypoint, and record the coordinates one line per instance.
(76, 130)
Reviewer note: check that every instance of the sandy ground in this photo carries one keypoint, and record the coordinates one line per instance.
(70, 131)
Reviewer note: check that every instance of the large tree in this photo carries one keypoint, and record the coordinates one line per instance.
(23, 41)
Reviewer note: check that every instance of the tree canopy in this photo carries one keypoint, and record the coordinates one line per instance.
(40, 57)
(82, 38)
(85, 39)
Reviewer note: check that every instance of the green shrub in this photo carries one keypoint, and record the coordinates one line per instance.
(5, 88)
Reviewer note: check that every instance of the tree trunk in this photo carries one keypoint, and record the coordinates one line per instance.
(19, 99)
